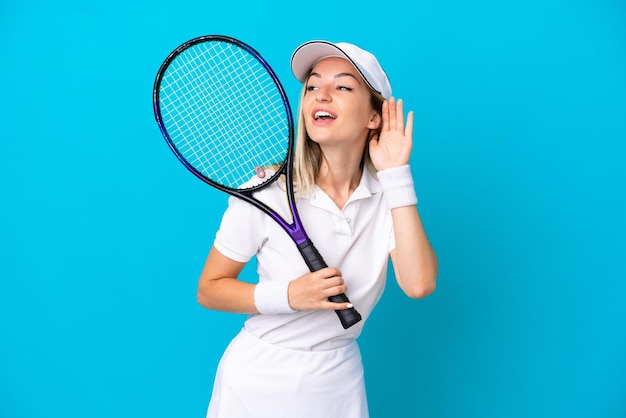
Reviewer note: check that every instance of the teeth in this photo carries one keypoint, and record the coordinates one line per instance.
(323, 114)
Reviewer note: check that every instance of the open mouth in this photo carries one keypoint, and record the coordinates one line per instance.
(322, 114)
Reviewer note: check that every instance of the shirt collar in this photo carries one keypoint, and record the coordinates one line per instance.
(367, 187)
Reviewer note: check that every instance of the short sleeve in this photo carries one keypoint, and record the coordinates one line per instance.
(238, 236)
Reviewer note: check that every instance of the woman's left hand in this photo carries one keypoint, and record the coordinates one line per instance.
(392, 148)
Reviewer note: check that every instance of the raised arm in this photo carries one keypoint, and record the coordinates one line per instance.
(414, 260)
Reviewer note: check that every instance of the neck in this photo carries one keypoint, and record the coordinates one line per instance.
(338, 177)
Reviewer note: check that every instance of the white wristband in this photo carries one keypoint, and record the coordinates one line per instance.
(398, 187)
(272, 298)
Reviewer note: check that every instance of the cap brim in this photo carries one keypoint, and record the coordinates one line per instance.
(308, 54)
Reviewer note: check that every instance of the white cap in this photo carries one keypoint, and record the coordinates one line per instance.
(309, 53)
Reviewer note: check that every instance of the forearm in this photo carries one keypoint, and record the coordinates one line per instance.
(219, 288)
(228, 295)
(414, 260)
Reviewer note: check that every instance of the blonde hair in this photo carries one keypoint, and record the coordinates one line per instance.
(308, 155)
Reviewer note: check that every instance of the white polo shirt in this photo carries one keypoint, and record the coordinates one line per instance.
(356, 240)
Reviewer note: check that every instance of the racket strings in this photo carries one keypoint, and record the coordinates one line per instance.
(193, 85)
(224, 112)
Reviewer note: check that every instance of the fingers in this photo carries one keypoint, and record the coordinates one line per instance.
(331, 286)
(311, 291)
(385, 111)
(392, 147)
(398, 115)
(409, 125)
(393, 115)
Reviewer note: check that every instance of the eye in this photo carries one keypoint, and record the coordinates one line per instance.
(311, 88)
(344, 88)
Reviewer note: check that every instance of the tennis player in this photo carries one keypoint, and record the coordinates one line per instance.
(357, 201)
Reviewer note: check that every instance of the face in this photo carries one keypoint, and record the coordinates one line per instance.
(336, 104)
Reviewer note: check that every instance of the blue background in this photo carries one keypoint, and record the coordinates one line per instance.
(519, 165)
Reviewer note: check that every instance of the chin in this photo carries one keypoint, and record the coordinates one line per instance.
(318, 137)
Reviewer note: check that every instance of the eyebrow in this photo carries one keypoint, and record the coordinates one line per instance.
(337, 76)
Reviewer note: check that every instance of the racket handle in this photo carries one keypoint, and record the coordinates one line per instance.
(314, 261)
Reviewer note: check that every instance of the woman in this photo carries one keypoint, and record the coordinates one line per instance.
(357, 202)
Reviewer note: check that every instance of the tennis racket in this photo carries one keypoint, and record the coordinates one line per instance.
(224, 113)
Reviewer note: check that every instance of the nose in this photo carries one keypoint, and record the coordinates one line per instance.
(322, 94)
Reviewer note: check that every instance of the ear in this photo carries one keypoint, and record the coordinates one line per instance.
(374, 122)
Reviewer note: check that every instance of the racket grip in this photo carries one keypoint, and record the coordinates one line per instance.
(314, 261)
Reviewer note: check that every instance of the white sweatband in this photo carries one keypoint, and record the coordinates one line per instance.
(272, 297)
(398, 187)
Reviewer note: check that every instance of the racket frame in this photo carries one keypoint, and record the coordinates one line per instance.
(295, 229)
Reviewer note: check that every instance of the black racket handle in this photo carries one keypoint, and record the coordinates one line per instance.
(314, 261)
